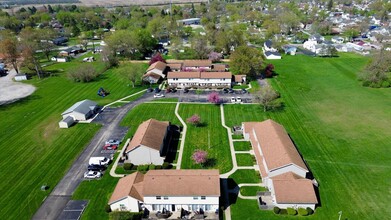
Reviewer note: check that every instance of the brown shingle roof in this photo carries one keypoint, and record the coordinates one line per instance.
(157, 65)
(238, 78)
(183, 75)
(152, 74)
(150, 133)
(182, 183)
(128, 186)
(175, 66)
(277, 147)
(294, 191)
(197, 63)
(216, 75)
(219, 67)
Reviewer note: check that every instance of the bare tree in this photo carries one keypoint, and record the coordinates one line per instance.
(132, 72)
(30, 44)
(9, 46)
(45, 40)
(267, 97)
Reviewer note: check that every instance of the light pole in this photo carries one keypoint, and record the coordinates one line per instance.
(340, 214)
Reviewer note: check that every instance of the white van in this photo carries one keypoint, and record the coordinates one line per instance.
(99, 161)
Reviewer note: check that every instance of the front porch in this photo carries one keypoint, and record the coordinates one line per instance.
(182, 215)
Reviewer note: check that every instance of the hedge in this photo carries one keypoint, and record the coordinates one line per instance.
(302, 212)
(125, 215)
(276, 210)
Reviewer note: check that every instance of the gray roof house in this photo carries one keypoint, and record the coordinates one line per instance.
(81, 111)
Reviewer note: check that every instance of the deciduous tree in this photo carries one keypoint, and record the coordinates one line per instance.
(194, 120)
(267, 97)
(155, 58)
(246, 60)
(9, 46)
(214, 98)
(199, 156)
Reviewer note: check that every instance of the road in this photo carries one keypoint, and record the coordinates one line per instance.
(62, 193)
(110, 118)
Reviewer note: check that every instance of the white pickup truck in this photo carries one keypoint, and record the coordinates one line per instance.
(99, 161)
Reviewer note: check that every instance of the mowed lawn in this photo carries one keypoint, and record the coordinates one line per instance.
(197, 137)
(99, 192)
(34, 151)
(342, 130)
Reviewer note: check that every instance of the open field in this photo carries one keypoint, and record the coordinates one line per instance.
(342, 130)
(34, 149)
(197, 137)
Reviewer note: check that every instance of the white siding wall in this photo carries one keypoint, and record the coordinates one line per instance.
(129, 203)
(77, 116)
(295, 206)
(215, 82)
(182, 83)
(188, 203)
(145, 155)
(290, 168)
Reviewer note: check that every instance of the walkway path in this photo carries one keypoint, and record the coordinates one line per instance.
(114, 167)
(184, 131)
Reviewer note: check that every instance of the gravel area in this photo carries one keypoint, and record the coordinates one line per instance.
(11, 91)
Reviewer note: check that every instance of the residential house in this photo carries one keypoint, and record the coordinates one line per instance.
(272, 55)
(149, 143)
(71, 51)
(189, 21)
(199, 79)
(268, 46)
(239, 79)
(80, 111)
(155, 71)
(174, 67)
(282, 168)
(197, 65)
(171, 190)
(219, 67)
(316, 37)
(337, 40)
(290, 49)
(60, 40)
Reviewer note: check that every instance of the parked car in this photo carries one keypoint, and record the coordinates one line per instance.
(92, 174)
(231, 91)
(157, 90)
(158, 95)
(238, 100)
(225, 90)
(149, 90)
(233, 100)
(244, 91)
(113, 141)
(96, 168)
(110, 147)
(186, 90)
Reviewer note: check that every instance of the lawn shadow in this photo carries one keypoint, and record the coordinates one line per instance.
(210, 162)
(202, 124)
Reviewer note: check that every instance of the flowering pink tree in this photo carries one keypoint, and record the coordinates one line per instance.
(214, 56)
(199, 156)
(214, 98)
(194, 120)
(155, 58)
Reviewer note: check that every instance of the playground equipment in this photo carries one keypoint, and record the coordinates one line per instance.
(102, 92)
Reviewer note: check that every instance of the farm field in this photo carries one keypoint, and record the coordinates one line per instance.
(341, 129)
(34, 149)
(197, 137)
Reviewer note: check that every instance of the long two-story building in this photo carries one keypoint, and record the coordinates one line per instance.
(199, 79)
(172, 190)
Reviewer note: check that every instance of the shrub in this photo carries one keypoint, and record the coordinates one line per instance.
(128, 166)
(158, 167)
(310, 211)
(143, 168)
(166, 165)
(385, 84)
(152, 167)
(303, 212)
(276, 210)
(125, 215)
(283, 212)
(194, 120)
(291, 211)
(107, 208)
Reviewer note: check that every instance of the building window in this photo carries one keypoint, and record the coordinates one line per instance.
(158, 197)
(165, 198)
(195, 198)
(203, 197)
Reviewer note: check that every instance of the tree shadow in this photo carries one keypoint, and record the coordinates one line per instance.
(210, 162)
(202, 124)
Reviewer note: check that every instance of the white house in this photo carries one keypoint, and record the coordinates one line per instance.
(272, 55)
(20, 77)
(199, 79)
(172, 190)
(189, 21)
(155, 71)
(268, 46)
(310, 45)
(81, 111)
(147, 144)
(280, 164)
(337, 40)
(316, 37)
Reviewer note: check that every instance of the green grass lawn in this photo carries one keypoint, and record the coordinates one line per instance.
(242, 145)
(245, 160)
(143, 112)
(342, 130)
(246, 176)
(197, 137)
(251, 190)
(35, 151)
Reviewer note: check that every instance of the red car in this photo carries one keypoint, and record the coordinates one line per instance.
(110, 147)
